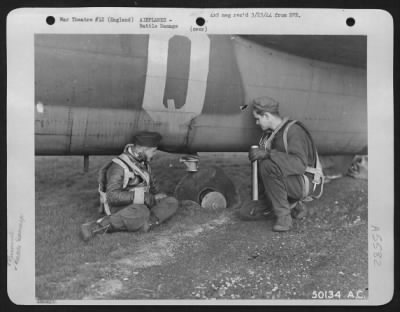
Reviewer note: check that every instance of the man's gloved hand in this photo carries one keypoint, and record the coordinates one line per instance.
(149, 199)
(258, 154)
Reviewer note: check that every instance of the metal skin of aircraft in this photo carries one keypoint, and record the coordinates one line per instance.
(94, 92)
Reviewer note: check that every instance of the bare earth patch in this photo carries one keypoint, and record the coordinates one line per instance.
(198, 254)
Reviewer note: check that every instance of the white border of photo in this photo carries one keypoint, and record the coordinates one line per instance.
(23, 24)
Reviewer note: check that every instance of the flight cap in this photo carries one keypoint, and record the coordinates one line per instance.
(147, 139)
(266, 104)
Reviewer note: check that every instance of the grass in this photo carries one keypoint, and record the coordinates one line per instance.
(66, 197)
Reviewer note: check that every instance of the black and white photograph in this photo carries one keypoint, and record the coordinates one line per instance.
(199, 158)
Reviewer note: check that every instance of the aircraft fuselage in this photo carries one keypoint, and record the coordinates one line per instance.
(94, 92)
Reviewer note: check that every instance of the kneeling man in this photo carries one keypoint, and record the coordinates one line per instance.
(129, 193)
(288, 163)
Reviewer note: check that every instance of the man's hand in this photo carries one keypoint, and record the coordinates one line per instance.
(160, 196)
(258, 154)
(149, 199)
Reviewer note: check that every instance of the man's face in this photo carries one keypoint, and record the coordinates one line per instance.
(263, 120)
(149, 152)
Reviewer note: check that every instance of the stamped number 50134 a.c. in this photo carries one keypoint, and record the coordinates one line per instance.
(325, 294)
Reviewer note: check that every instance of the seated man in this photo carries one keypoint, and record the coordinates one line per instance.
(288, 165)
(129, 192)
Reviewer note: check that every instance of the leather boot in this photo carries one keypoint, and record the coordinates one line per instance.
(90, 229)
(255, 210)
(299, 211)
(283, 224)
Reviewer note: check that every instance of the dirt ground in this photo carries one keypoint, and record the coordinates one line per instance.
(198, 254)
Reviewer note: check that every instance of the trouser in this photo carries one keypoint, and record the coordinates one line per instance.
(280, 190)
(133, 217)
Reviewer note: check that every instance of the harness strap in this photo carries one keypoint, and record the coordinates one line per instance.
(145, 176)
(306, 188)
(139, 195)
(318, 176)
(103, 202)
(267, 143)
(285, 132)
(140, 190)
(131, 171)
(127, 173)
(322, 188)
